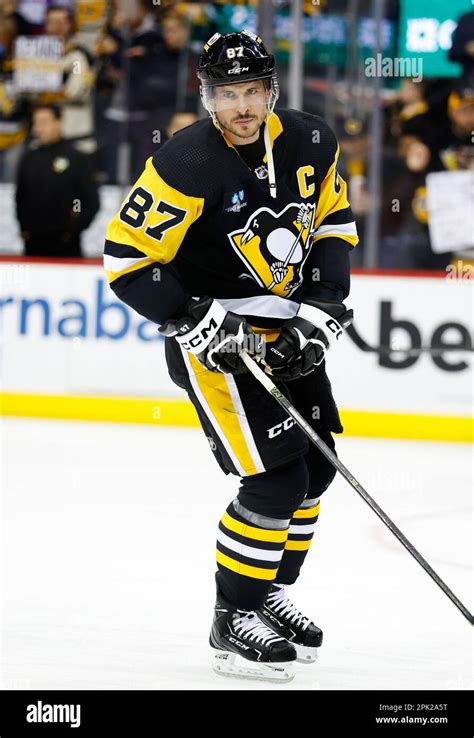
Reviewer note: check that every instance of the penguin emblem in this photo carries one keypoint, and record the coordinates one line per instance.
(275, 246)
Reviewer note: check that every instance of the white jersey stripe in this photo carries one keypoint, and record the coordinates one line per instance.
(253, 553)
(244, 423)
(115, 264)
(337, 229)
(210, 415)
(265, 306)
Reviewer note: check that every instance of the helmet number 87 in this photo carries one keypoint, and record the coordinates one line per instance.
(235, 51)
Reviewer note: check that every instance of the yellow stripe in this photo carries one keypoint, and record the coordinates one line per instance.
(107, 409)
(420, 427)
(331, 201)
(249, 571)
(297, 545)
(274, 129)
(158, 411)
(215, 389)
(307, 512)
(269, 334)
(258, 534)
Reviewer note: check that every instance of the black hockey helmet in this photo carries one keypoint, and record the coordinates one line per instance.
(232, 58)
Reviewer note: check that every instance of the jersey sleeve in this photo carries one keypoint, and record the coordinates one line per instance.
(142, 241)
(334, 218)
(150, 225)
(327, 270)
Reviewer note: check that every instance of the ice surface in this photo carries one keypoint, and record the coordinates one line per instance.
(108, 562)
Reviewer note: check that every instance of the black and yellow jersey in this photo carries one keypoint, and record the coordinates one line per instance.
(201, 222)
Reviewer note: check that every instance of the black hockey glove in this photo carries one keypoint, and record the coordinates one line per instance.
(304, 339)
(213, 335)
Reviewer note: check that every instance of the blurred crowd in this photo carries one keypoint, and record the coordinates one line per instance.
(428, 127)
(127, 82)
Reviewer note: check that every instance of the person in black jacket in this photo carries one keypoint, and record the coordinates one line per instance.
(462, 49)
(57, 195)
(153, 70)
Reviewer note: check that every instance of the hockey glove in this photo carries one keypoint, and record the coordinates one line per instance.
(304, 339)
(214, 335)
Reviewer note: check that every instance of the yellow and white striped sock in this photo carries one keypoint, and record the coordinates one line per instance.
(300, 536)
(250, 547)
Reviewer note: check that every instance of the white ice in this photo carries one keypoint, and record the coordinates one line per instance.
(108, 562)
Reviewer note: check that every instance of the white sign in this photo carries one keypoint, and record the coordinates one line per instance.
(38, 65)
(450, 202)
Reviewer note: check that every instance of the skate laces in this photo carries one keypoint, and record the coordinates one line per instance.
(279, 602)
(249, 624)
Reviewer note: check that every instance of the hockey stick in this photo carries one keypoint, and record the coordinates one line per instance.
(265, 380)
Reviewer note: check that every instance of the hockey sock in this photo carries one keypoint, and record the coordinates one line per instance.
(249, 550)
(300, 535)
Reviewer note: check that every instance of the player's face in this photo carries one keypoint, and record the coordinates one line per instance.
(241, 109)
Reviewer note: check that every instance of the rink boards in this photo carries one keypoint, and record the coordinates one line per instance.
(70, 349)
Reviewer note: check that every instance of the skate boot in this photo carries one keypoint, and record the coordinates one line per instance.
(283, 617)
(244, 646)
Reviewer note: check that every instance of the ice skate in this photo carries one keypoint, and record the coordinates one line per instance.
(244, 646)
(286, 620)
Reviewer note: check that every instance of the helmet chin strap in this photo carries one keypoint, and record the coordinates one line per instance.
(270, 162)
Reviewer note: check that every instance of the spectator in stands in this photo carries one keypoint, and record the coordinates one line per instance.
(9, 10)
(76, 97)
(131, 54)
(57, 195)
(13, 108)
(179, 88)
(462, 49)
(424, 147)
(411, 112)
(153, 73)
(444, 143)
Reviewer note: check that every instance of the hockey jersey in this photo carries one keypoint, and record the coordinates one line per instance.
(201, 222)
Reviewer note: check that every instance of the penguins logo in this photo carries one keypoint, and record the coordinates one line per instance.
(275, 247)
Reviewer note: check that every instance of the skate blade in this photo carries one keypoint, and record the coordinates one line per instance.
(306, 654)
(226, 663)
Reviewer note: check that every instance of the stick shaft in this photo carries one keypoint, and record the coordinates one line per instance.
(265, 380)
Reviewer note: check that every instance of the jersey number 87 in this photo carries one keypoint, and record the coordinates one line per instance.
(140, 202)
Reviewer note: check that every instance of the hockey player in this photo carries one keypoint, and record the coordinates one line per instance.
(237, 235)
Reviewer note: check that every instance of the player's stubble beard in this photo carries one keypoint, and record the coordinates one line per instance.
(238, 131)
